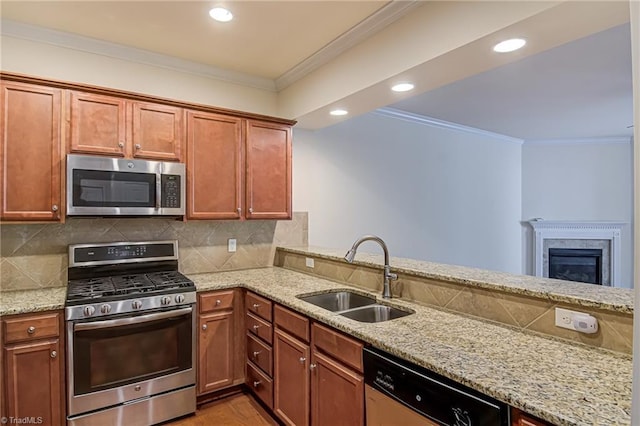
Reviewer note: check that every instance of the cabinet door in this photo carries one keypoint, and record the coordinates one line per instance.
(98, 125)
(31, 154)
(337, 393)
(33, 375)
(291, 380)
(157, 131)
(215, 352)
(214, 166)
(268, 190)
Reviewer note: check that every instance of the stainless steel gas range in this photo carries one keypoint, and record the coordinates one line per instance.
(130, 320)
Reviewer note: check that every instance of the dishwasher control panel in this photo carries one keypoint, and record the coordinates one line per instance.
(431, 395)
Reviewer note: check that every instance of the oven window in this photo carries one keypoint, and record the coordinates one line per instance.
(110, 357)
(94, 188)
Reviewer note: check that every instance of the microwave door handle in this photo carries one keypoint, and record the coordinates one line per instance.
(131, 320)
(158, 188)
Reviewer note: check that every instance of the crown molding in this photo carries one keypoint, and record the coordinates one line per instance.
(363, 30)
(118, 51)
(580, 141)
(434, 122)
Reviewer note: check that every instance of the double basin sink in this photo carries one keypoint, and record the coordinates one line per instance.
(355, 306)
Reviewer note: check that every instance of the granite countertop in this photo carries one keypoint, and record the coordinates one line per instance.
(602, 297)
(564, 383)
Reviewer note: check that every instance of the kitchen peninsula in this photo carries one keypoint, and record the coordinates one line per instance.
(560, 381)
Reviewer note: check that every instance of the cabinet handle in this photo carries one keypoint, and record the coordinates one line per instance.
(256, 305)
(138, 146)
(204, 326)
(31, 330)
(312, 366)
(218, 302)
(121, 144)
(302, 360)
(54, 354)
(54, 208)
(256, 353)
(256, 383)
(256, 327)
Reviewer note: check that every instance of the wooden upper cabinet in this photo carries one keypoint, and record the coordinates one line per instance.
(31, 152)
(108, 125)
(214, 166)
(98, 124)
(157, 131)
(268, 187)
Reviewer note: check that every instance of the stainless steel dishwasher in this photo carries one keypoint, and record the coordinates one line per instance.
(401, 393)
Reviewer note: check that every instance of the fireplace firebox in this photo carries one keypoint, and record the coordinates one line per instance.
(576, 264)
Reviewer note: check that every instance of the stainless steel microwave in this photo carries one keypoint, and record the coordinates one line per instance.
(105, 186)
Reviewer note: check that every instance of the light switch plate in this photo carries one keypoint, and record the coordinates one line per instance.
(309, 262)
(231, 245)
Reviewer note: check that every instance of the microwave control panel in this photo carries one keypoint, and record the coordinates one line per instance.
(170, 194)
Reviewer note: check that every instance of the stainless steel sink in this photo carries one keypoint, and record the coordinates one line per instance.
(375, 313)
(338, 300)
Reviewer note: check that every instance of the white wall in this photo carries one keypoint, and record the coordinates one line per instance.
(588, 180)
(431, 193)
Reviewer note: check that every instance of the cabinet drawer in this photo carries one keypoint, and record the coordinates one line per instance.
(259, 327)
(31, 327)
(260, 384)
(337, 345)
(260, 354)
(215, 301)
(295, 324)
(258, 305)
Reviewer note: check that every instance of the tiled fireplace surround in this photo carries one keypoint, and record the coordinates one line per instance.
(35, 256)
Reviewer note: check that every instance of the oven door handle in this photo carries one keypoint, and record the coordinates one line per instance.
(132, 320)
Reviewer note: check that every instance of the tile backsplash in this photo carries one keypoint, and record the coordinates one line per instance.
(35, 255)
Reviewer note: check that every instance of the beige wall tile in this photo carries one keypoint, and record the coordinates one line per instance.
(481, 303)
(13, 278)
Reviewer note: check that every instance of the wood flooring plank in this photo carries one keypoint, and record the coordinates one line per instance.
(236, 410)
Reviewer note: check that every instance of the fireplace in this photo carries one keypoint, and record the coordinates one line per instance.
(603, 238)
(577, 264)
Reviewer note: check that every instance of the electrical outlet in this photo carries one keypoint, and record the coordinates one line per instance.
(309, 262)
(231, 245)
(576, 321)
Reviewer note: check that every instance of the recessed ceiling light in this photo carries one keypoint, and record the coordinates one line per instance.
(339, 112)
(509, 45)
(402, 87)
(221, 14)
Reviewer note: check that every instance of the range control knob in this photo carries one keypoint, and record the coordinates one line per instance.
(136, 304)
(88, 311)
(179, 298)
(166, 300)
(105, 309)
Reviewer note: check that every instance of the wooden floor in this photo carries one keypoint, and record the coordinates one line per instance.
(239, 409)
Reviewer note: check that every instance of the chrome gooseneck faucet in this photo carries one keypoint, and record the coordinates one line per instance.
(388, 275)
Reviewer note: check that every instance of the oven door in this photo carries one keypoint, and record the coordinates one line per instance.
(127, 358)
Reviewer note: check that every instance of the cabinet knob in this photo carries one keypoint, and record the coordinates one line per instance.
(31, 330)
(312, 366)
(256, 305)
(256, 353)
(250, 209)
(138, 146)
(54, 354)
(256, 327)
(218, 302)
(204, 326)
(121, 144)
(256, 383)
(302, 360)
(54, 208)
(239, 210)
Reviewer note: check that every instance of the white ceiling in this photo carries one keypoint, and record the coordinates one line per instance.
(581, 89)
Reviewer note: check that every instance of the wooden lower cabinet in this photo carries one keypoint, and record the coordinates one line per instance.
(520, 418)
(291, 401)
(219, 351)
(33, 368)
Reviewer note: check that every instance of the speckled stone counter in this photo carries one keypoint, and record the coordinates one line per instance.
(602, 297)
(22, 301)
(560, 382)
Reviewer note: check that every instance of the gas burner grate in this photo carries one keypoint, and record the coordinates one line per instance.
(169, 280)
(90, 288)
(132, 283)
